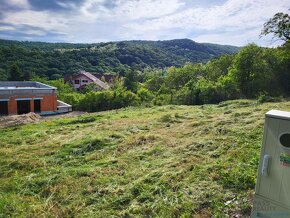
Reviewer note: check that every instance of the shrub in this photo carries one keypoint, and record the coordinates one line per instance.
(107, 100)
(161, 99)
(145, 95)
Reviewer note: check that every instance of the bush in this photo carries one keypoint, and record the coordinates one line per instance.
(161, 99)
(145, 95)
(72, 99)
(107, 100)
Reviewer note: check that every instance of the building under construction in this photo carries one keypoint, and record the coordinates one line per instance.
(25, 97)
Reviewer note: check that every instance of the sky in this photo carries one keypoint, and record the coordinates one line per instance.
(231, 22)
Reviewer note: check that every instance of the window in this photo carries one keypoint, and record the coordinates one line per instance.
(85, 81)
(77, 81)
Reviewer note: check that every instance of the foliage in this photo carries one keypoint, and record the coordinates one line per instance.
(130, 81)
(249, 73)
(145, 95)
(279, 26)
(15, 73)
(105, 100)
(54, 60)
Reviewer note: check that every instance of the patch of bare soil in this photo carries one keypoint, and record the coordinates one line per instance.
(31, 117)
(19, 119)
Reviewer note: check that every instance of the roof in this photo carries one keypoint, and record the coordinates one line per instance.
(16, 88)
(19, 85)
(97, 81)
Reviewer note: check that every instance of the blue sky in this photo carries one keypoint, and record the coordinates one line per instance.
(234, 22)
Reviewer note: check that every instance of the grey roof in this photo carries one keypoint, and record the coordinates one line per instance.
(16, 88)
(23, 85)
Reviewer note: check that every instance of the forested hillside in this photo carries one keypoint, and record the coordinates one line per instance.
(54, 60)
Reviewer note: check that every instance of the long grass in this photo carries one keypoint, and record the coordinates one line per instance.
(169, 161)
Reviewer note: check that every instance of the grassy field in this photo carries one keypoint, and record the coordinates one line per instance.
(167, 161)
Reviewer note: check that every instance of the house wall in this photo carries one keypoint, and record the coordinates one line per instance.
(48, 103)
(81, 78)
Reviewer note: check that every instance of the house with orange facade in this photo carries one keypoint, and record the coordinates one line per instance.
(25, 97)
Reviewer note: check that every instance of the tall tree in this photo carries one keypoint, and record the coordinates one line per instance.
(15, 73)
(250, 71)
(279, 25)
(130, 80)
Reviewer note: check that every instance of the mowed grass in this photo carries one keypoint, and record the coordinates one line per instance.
(167, 161)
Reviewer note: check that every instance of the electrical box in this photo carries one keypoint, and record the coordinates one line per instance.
(272, 193)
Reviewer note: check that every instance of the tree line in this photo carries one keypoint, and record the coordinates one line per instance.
(253, 72)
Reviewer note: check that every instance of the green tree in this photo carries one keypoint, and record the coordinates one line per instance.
(15, 74)
(130, 81)
(3, 75)
(145, 95)
(279, 25)
(282, 68)
(251, 71)
(217, 68)
(27, 76)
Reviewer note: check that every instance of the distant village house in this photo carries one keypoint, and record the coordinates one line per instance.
(83, 78)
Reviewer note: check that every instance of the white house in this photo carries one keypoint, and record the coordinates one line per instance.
(84, 78)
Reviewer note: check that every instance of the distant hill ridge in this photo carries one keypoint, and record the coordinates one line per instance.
(61, 58)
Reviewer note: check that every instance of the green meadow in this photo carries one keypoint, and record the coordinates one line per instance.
(162, 161)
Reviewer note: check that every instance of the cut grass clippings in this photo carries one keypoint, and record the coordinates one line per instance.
(169, 161)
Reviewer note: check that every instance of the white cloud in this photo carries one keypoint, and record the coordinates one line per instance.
(137, 9)
(7, 28)
(230, 22)
(43, 19)
(234, 15)
(18, 3)
(233, 37)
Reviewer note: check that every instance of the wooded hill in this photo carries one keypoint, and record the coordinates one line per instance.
(54, 60)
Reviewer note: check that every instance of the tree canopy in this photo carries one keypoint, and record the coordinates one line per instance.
(54, 60)
(279, 25)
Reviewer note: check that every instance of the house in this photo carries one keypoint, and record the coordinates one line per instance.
(84, 78)
(25, 97)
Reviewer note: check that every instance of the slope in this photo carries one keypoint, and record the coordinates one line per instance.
(170, 161)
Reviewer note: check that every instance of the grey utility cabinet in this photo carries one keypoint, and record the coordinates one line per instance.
(272, 194)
